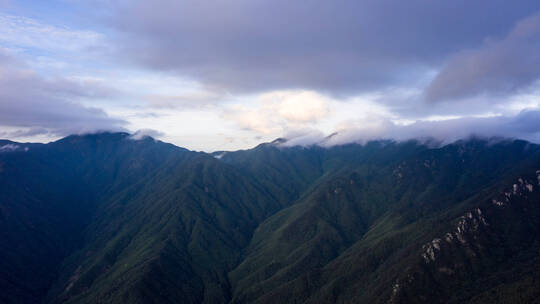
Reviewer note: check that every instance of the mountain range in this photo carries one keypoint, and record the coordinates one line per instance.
(107, 218)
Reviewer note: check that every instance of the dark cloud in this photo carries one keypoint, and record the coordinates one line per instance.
(339, 46)
(499, 66)
(32, 104)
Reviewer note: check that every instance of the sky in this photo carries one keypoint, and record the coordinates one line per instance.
(225, 75)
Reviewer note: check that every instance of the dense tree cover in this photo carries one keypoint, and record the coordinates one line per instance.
(104, 218)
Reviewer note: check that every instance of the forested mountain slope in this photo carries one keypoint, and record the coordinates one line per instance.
(104, 218)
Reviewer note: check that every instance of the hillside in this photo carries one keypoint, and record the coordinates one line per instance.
(104, 218)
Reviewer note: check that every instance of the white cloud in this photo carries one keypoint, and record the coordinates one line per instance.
(297, 106)
(145, 133)
(278, 111)
(523, 125)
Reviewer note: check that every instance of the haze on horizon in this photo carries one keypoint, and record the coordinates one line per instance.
(225, 75)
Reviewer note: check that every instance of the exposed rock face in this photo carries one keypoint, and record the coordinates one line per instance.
(519, 189)
(467, 225)
(470, 222)
(472, 234)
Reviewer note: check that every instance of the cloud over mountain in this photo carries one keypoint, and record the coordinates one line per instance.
(200, 72)
(524, 125)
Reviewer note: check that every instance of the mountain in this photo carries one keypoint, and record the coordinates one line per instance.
(105, 218)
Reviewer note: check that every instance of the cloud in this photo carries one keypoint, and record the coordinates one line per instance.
(305, 118)
(338, 47)
(276, 112)
(25, 132)
(186, 100)
(32, 103)
(297, 106)
(304, 137)
(499, 66)
(255, 70)
(145, 133)
(23, 32)
(524, 126)
(5, 3)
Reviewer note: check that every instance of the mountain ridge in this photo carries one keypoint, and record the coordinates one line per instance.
(144, 221)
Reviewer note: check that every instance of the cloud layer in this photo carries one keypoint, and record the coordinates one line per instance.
(31, 104)
(277, 112)
(524, 126)
(499, 66)
(341, 47)
(229, 74)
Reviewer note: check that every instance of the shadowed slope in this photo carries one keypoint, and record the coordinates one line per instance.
(106, 219)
